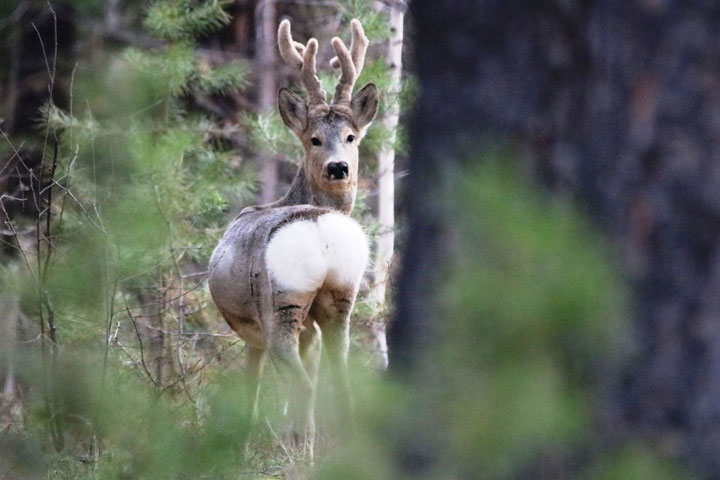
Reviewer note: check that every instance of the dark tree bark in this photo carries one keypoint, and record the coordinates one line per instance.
(444, 120)
(616, 104)
(443, 115)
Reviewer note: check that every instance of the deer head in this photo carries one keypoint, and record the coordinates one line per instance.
(330, 134)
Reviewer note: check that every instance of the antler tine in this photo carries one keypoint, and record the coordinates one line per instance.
(316, 94)
(288, 48)
(358, 46)
(351, 63)
(343, 89)
(299, 47)
(302, 58)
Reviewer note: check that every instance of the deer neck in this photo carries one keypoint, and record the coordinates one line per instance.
(302, 192)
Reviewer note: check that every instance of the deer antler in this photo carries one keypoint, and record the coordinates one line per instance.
(302, 58)
(350, 62)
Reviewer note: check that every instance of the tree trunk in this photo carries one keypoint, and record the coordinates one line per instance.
(386, 174)
(265, 31)
(615, 103)
(445, 38)
(445, 60)
(112, 15)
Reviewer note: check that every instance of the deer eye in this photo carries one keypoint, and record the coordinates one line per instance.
(350, 138)
(315, 141)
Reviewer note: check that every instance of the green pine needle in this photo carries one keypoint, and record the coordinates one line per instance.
(185, 19)
(223, 79)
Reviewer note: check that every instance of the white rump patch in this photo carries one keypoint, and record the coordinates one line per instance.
(346, 249)
(304, 255)
(294, 257)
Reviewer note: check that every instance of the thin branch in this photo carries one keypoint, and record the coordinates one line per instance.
(140, 342)
(42, 46)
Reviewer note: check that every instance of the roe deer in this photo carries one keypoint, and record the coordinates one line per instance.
(286, 274)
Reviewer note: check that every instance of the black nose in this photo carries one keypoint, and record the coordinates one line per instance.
(337, 170)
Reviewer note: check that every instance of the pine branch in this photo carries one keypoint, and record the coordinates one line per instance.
(181, 19)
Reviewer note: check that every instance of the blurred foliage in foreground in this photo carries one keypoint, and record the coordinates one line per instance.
(142, 385)
(140, 377)
(534, 317)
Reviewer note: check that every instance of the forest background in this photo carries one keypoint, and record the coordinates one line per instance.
(552, 299)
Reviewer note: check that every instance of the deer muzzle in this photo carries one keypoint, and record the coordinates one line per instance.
(338, 170)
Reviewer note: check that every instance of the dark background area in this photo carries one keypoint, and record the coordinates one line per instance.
(613, 106)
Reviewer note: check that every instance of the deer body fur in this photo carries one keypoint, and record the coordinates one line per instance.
(285, 251)
(286, 274)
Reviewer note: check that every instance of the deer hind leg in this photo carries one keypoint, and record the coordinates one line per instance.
(310, 350)
(332, 309)
(284, 349)
(254, 361)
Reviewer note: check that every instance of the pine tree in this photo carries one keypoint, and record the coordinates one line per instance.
(141, 188)
(144, 183)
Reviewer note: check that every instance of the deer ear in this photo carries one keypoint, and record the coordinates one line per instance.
(292, 110)
(364, 106)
